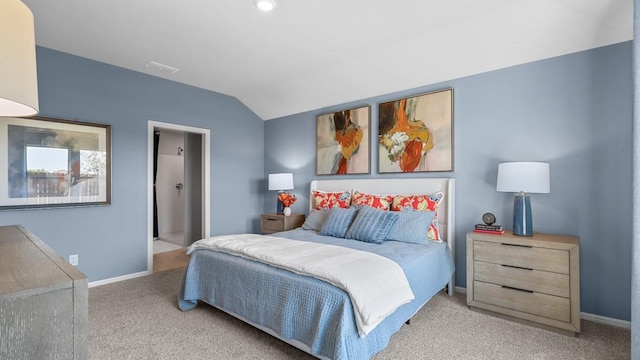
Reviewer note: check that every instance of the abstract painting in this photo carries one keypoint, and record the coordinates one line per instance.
(342, 142)
(48, 162)
(415, 134)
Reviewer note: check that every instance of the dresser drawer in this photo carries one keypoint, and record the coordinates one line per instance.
(552, 307)
(544, 282)
(522, 256)
(272, 223)
(534, 279)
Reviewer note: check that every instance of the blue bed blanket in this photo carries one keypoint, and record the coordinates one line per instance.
(306, 309)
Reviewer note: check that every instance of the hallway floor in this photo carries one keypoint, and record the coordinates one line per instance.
(170, 260)
(160, 246)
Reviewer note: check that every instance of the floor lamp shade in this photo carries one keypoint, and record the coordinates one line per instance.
(280, 182)
(523, 178)
(18, 73)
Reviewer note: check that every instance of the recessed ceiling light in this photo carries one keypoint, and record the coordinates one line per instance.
(265, 5)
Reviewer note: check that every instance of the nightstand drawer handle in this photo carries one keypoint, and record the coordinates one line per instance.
(271, 219)
(524, 246)
(512, 288)
(517, 267)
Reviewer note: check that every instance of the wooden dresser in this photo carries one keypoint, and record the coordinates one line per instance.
(533, 279)
(43, 300)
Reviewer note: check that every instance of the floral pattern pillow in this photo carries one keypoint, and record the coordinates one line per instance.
(428, 202)
(328, 200)
(382, 202)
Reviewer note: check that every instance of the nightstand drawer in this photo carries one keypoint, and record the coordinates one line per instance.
(548, 306)
(528, 279)
(522, 256)
(272, 223)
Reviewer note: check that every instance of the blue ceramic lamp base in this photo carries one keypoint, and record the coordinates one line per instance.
(522, 223)
(280, 209)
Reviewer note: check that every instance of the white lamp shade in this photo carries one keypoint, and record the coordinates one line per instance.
(527, 177)
(282, 181)
(18, 75)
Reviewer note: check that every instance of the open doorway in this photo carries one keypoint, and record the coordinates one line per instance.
(178, 192)
(168, 228)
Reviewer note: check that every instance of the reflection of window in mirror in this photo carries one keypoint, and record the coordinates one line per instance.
(47, 171)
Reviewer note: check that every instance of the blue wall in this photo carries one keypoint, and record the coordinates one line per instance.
(574, 112)
(112, 240)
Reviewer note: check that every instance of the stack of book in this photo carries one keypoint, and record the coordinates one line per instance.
(489, 229)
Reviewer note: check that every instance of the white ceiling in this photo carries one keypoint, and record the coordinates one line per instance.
(308, 54)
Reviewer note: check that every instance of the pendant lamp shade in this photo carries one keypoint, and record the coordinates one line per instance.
(18, 74)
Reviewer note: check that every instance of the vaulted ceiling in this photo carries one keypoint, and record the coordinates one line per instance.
(308, 54)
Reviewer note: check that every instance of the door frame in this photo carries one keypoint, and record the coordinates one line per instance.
(206, 181)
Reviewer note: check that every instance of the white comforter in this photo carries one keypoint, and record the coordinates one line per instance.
(377, 285)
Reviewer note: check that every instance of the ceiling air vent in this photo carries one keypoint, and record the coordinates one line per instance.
(161, 67)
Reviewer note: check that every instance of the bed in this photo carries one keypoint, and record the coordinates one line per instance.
(314, 314)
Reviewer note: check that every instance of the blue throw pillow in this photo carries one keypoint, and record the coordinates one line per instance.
(338, 221)
(372, 225)
(315, 220)
(412, 226)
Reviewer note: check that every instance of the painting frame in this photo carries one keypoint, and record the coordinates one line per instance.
(415, 133)
(51, 163)
(343, 142)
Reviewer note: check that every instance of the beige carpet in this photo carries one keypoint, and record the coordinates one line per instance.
(139, 319)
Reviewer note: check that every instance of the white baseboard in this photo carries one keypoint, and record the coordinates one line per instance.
(606, 320)
(585, 316)
(119, 278)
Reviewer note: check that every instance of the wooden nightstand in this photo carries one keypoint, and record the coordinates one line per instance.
(535, 280)
(273, 222)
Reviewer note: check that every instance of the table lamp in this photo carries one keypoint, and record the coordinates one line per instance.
(523, 178)
(280, 182)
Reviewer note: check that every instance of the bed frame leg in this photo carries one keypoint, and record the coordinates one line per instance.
(408, 322)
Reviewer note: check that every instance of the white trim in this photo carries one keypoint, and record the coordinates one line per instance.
(206, 163)
(119, 278)
(585, 316)
(606, 320)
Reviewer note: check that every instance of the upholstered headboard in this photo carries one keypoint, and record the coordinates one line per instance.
(412, 186)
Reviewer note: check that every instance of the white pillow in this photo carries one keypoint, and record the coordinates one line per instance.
(315, 220)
